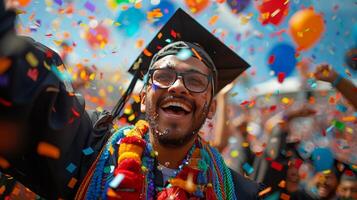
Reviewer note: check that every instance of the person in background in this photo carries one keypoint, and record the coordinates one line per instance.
(347, 188)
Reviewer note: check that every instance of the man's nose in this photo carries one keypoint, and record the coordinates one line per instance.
(178, 87)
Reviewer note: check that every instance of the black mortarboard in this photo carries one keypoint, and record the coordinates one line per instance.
(182, 27)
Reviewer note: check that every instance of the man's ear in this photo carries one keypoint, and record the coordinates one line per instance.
(142, 100)
(212, 109)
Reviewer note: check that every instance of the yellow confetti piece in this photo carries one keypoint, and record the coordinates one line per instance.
(234, 154)
(4, 164)
(326, 171)
(31, 59)
(285, 100)
(131, 117)
(72, 182)
(245, 144)
(213, 20)
(48, 150)
(139, 43)
(5, 64)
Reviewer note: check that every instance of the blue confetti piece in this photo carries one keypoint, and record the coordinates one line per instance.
(71, 167)
(322, 159)
(329, 129)
(88, 151)
(274, 196)
(341, 108)
(355, 114)
(247, 168)
(116, 181)
(168, 40)
(184, 54)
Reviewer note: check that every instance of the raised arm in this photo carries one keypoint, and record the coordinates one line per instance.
(325, 72)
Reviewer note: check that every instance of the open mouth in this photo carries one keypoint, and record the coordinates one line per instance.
(176, 107)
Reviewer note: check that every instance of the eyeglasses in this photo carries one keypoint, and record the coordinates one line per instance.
(193, 81)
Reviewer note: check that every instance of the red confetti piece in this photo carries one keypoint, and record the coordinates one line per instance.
(75, 113)
(72, 182)
(277, 166)
(33, 74)
(271, 59)
(173, 34)
(5, 102)
(281, 77)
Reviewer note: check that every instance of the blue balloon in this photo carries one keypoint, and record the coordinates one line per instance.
(354, 34)
(323, 159)
(130, 21)
(282, 59)
(167, 8)
(238, 5)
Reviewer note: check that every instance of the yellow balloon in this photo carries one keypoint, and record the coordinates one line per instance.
(306, 28)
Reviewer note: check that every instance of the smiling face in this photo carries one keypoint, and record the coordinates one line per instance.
(175, 114)
(326, 185)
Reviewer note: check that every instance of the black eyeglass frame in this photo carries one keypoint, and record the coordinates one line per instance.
(181, 74)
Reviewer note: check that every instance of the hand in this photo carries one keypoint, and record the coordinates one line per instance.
(324, 72)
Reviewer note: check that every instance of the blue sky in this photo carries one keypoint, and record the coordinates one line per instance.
(339, 15)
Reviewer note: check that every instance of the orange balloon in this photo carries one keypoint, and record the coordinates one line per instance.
(197, 6)
(24, 2)
(306, 28)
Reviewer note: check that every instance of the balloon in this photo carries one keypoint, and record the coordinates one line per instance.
(130, 21)
(97, 37)
(282, 60)
(306, 28)
(24, 3)
(351, 58)
(354, 34)
(238, 5)
(197, 6)
(167, 9)
(273, 11)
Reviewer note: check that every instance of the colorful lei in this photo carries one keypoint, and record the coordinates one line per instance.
(202, 174)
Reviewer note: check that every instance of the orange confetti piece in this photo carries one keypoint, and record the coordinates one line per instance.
(72, 182)
(265, 191)
(196, 54)
(4, 65)
(159, 35)
(282, 184)
(48, 150)
(284, 196)
(213, 20)
(147, 53)
(4, 164)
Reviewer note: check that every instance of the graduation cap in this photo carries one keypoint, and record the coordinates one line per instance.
(223, 61)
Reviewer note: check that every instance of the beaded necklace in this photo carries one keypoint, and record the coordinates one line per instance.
(202, 174)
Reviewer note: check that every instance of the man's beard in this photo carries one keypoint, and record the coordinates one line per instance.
(165, 135)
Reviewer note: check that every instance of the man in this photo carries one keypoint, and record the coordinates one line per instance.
(66, 153)
(347, 188)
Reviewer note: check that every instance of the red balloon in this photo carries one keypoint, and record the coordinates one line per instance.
(273, 11)
(97, 37)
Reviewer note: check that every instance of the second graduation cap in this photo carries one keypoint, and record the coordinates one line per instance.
(182, 27)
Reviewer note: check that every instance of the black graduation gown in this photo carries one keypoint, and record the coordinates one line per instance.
(47, 111)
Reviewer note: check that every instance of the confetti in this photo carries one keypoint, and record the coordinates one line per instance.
(265, 191)
(341, 108)
(116, 181)
(89, 6)
(72, 182)
(48, 150)
(248, 168)
(184, 54)
(234, 154)
(31, 59)
(5, 64)
(4, 164)
(88, 151)
(276, 165)
(339, 125)
(281, 77)
(213, 20)
(71, 167)
(33, 74)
